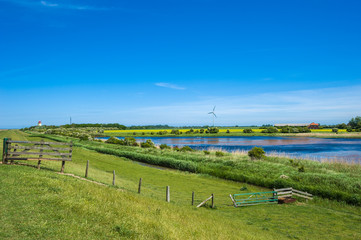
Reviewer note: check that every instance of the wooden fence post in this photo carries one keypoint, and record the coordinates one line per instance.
(140, 185)
(167, 197)
(63, 162)
(113, 177)
(12, 161)
(5, 149)
(86, 170)
(40, 156)
(212, 200)
(192, 198)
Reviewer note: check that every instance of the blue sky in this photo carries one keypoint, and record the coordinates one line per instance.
(169, 62)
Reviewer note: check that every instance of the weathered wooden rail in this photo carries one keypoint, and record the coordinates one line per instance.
(290, 192)
(30, 150)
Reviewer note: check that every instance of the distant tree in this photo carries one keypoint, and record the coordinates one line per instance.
(355, 122)
(270, 130)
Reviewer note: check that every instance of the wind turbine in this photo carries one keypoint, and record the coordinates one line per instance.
(214, 115)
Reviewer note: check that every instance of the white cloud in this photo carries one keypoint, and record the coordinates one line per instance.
(169, 85)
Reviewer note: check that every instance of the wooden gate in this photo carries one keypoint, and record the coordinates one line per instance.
(26, 150)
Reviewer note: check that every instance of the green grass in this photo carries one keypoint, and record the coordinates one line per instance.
(45, 205)
(329, 180)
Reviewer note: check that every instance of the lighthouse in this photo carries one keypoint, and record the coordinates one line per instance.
(39, 124)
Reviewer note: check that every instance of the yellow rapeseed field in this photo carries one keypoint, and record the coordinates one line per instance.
(232, 130)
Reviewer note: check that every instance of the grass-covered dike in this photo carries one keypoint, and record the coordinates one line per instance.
(337, 181)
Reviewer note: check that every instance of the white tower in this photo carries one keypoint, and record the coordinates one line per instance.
(39, 123)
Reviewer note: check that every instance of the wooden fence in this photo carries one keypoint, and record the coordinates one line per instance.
(26, 150)
(290, 192)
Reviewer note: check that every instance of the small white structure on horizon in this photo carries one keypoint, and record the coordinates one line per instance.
(39, 124)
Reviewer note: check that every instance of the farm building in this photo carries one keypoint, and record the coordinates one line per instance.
(314, 126)
(308, 125)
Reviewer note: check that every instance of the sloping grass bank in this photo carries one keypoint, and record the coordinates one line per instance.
(40, 204)
(337, 181)
(45, 205)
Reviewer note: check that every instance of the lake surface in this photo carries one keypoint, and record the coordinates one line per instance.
(342, 149)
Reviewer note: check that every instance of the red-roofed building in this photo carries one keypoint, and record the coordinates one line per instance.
(314, 126)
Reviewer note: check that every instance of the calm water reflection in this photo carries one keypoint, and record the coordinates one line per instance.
(304, 147)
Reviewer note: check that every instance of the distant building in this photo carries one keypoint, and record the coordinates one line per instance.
(39, 123)
(308, 125)
(314, 126)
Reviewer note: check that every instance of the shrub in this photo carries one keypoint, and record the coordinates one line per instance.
(247, 130)
(134, 133)
(219, 153)
(206, 152)
(201, 130)
(164, 146)
(256, 153)
(228, 131)
(335, 130)
(162, 132)
(113, 140)
(130, 141)
(175, 131)
(270, 130)
(147, 144)
(213, 130)
(349, 129)
(186, 149)
(301, 168)
(85, 137)
(176, 148)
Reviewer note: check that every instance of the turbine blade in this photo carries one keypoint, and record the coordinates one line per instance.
(214, 114)
(214, 108)
(210, 112)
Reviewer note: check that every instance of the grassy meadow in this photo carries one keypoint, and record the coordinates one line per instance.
(56, 206)
(336, 180)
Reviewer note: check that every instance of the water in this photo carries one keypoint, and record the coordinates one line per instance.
(341, 149)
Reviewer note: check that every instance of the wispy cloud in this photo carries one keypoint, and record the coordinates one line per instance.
(327, 105)
(47, 4)
(170, 85)
(54, 5)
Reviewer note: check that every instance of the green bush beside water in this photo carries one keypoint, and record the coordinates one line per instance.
(337, 181)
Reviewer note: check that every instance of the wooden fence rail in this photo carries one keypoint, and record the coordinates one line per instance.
(289, 192)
